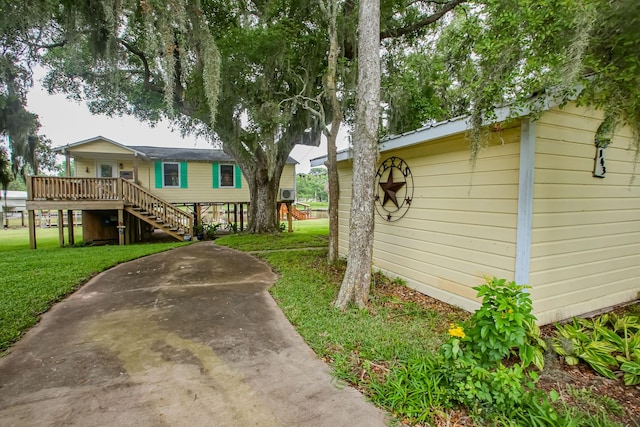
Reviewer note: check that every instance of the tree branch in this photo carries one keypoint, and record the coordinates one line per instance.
(147, 71)
(402, 31)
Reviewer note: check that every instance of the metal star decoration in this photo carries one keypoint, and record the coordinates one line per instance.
(390, 189)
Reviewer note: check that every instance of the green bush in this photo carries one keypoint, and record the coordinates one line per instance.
(468, 368)
(607, 343)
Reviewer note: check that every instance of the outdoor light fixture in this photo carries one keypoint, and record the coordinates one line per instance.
(87, 169)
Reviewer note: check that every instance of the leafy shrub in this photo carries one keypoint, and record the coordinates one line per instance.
(468, 368)
(502, 327)
(504, 324)
(606, 343)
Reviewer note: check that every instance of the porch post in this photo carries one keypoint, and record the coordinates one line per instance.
(72, 240)
(61, 227)
(32, 229)
(241, 216)
(120, 227)
(197, 214)
(289, 217)
(135, 168)
(67, 156)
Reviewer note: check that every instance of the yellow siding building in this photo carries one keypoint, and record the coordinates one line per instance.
(126, 192)
(529, 210)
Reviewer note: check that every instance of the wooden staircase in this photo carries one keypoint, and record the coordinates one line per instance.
(155, 211)
(89, 193)
(295, 212)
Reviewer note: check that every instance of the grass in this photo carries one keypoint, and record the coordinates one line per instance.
(18, 238)
(363, 346)
(306, 234)
(318, 205)
(353, 342)
(32, 280)
(367, 347)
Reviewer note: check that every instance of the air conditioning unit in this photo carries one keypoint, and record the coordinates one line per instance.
(287, 194)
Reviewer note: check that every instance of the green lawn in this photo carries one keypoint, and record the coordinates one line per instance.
(383, 350)
(18, 238)
(32, 280)
(306, 234)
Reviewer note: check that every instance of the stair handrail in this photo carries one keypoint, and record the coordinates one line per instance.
(142, 198)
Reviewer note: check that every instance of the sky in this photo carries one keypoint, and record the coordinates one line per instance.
(65, 121)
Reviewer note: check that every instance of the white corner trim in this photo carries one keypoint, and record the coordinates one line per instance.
(525, 200)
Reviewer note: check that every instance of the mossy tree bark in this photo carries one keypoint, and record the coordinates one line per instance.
(357, 279)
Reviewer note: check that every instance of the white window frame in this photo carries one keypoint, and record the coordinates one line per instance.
(114, 168)
(164, 185)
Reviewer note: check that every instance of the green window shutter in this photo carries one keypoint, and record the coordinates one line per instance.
(238, 174)
(158, 168)
(215, 172)
(183, 175)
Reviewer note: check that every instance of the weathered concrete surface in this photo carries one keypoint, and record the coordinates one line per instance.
(188, 337)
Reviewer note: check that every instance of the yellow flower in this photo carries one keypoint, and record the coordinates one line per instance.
(456, 331)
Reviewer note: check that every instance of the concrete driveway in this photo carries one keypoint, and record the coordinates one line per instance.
(188, 337)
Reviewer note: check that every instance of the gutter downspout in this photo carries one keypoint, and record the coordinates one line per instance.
(525, 200)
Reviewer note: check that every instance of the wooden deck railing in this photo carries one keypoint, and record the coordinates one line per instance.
(45, 188)
(68, 188)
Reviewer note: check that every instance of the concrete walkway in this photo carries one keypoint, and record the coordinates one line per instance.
(188, 337)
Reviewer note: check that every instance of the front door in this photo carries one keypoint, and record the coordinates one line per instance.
(106, 170)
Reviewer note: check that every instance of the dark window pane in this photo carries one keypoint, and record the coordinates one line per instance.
(226, 175)
(171, 175)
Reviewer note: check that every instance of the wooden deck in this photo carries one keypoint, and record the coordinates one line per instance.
(72, 193)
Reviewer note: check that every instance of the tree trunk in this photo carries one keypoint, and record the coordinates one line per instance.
(331, 10)
(357, 280)
(263, 193)
(334, 189)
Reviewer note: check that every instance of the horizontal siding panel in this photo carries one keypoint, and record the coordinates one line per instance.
(471, 206)
(100, 147)
(583, 205)
(505, 191)
(500, 234)
(582, 177)
(443, 238)
(617, 151)
(551, 161)
(465, 179)
(456, 146)
(612, 266)
(553, 234)
(570, 191)
(546, 249)
(572, 116)
(461, 165)
(564, 219)
(416, 211)
(581, 289)
(454, 281)
(456, 255)
(549, 133)
(586, 256)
